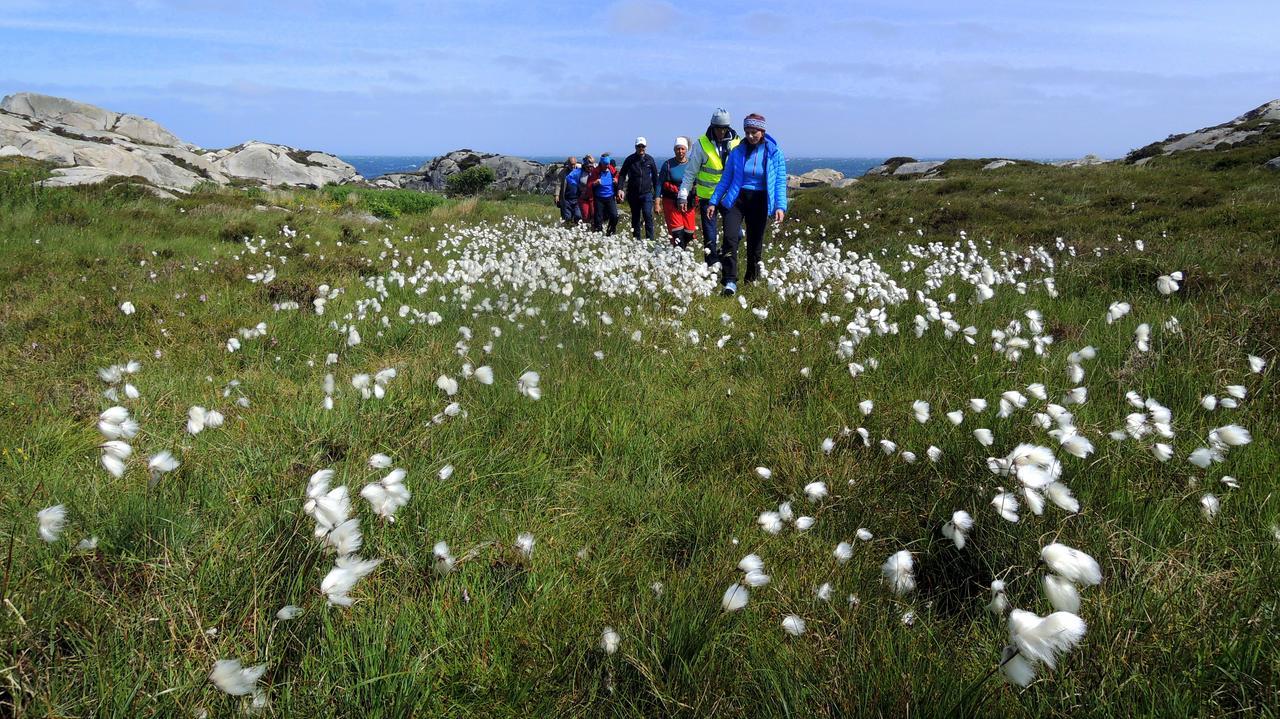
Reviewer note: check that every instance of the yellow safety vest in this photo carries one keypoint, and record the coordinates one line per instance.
(712, 166)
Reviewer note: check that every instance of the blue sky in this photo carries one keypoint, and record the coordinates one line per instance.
(1020, 78)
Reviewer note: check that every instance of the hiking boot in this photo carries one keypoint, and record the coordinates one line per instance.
(730, 288)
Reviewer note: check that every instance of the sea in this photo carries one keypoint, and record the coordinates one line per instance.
(370, 166)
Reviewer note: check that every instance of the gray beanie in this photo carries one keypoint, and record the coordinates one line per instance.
(720, 118)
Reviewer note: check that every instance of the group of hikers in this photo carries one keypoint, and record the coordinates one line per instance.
(743, 179)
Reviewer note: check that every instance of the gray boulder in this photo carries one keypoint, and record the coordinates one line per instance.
(821, 177)
(103, 144)
(1085, 161)
(510, 173)
(997, 164)
(917, 168)
(281, 165)
(1273, 164)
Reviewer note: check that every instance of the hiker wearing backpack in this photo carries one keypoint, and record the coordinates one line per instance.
(680, 223)
(706, 163)
(566, 195)
(586, 202)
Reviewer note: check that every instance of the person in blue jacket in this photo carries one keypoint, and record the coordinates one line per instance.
(752, 189)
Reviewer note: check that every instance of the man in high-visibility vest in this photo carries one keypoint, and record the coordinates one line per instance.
(706, 162)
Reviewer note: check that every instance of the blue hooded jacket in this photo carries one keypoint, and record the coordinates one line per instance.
(775, 169)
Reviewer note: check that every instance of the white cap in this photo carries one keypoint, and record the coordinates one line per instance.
(641, 141)
(682, 142)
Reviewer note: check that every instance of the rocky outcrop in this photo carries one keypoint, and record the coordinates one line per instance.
(888, 166)
(1272, 164)
(821, 177)
(511, 174)
(1085, 161)
(1262, 120)
(917, 168)
(997, 164)
(92, 144)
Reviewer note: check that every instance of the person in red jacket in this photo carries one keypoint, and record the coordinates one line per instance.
(586, 200)
(680, 223)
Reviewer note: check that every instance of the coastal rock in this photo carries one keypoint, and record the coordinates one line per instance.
(1262, 120)
(10, 151)
(820, 177)
(1085, 161)
(281, 165)
(917, 168)
(888, 166)
(1273, 164)
(77, 135)
(997, 164)
(513, 174)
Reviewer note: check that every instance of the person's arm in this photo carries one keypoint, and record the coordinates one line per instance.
(653, 176)
(691, 171)
(778, 176)
(628, 167)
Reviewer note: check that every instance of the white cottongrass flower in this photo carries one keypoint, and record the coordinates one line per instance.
(843, 552)
(127, 308)
(114, 454)
(999, 603)
(888, 446)
(379, 461)
(160, 464)
(1074, 443)
(609, 640)
(447, 384)
(1162, 452)
(764, 472)
(529, 385)
(984, 436)
(920, 410)
(524, 543)
(955, 417)
(1041, 640)
(898, 571)
(51, 521)
(483, 374)
(1256, 364)
(751, 563)
(287, 612)
(1209, 506)
(933, 453)
(444, 560)
(388, 494)
(828, 445)
(340, 580)
(863, 534)
(815, 491)
(755, 578)
(1117, 310)
(793, 625)
(865, 406)
(957, 529)
(1071, 564)
(977, 404)
(345, 538)
(1202, 457)
(823, 593)
(1237, 391)
(88, 544)
(735, 597)
(235, 679)
(1232, 435)
(1007, 505)
(770, 522)
(445, 472)
(803, 524)
(1166, 284)
(1209, 402)
(1062, 593)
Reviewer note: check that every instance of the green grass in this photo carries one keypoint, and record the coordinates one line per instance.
(643, 458)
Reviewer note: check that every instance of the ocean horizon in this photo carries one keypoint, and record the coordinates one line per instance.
(371, 166)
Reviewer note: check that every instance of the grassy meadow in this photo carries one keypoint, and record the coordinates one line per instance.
(637, 468)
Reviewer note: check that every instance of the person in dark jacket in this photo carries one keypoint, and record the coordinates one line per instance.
(680, 222)
(752, 189)
(638, 181)
(566, 195)
(603, 181)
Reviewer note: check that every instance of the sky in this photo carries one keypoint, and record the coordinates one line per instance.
(925, 78)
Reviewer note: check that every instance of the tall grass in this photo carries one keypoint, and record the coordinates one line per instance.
(643, 460)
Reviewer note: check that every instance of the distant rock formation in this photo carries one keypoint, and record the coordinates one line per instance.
(1264, 119)
(512, 174)
(820, 177)
(91, 144)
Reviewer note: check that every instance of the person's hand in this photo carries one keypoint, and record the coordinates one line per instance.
(711, 212)
(778, 217)
(622, 196)
(657, 206)
(684, 206)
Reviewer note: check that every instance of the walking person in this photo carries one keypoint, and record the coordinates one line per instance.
(706, 163)
(680, 222)
(586, 202)
(639, 182)
(566, 194)
(603, 181)
(752, 189)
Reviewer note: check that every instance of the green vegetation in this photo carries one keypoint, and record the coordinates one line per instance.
(471, 181)
(643, 459)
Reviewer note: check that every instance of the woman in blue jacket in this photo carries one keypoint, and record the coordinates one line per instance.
(752, 189)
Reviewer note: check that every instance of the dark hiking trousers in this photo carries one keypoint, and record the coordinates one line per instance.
(752, 210)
